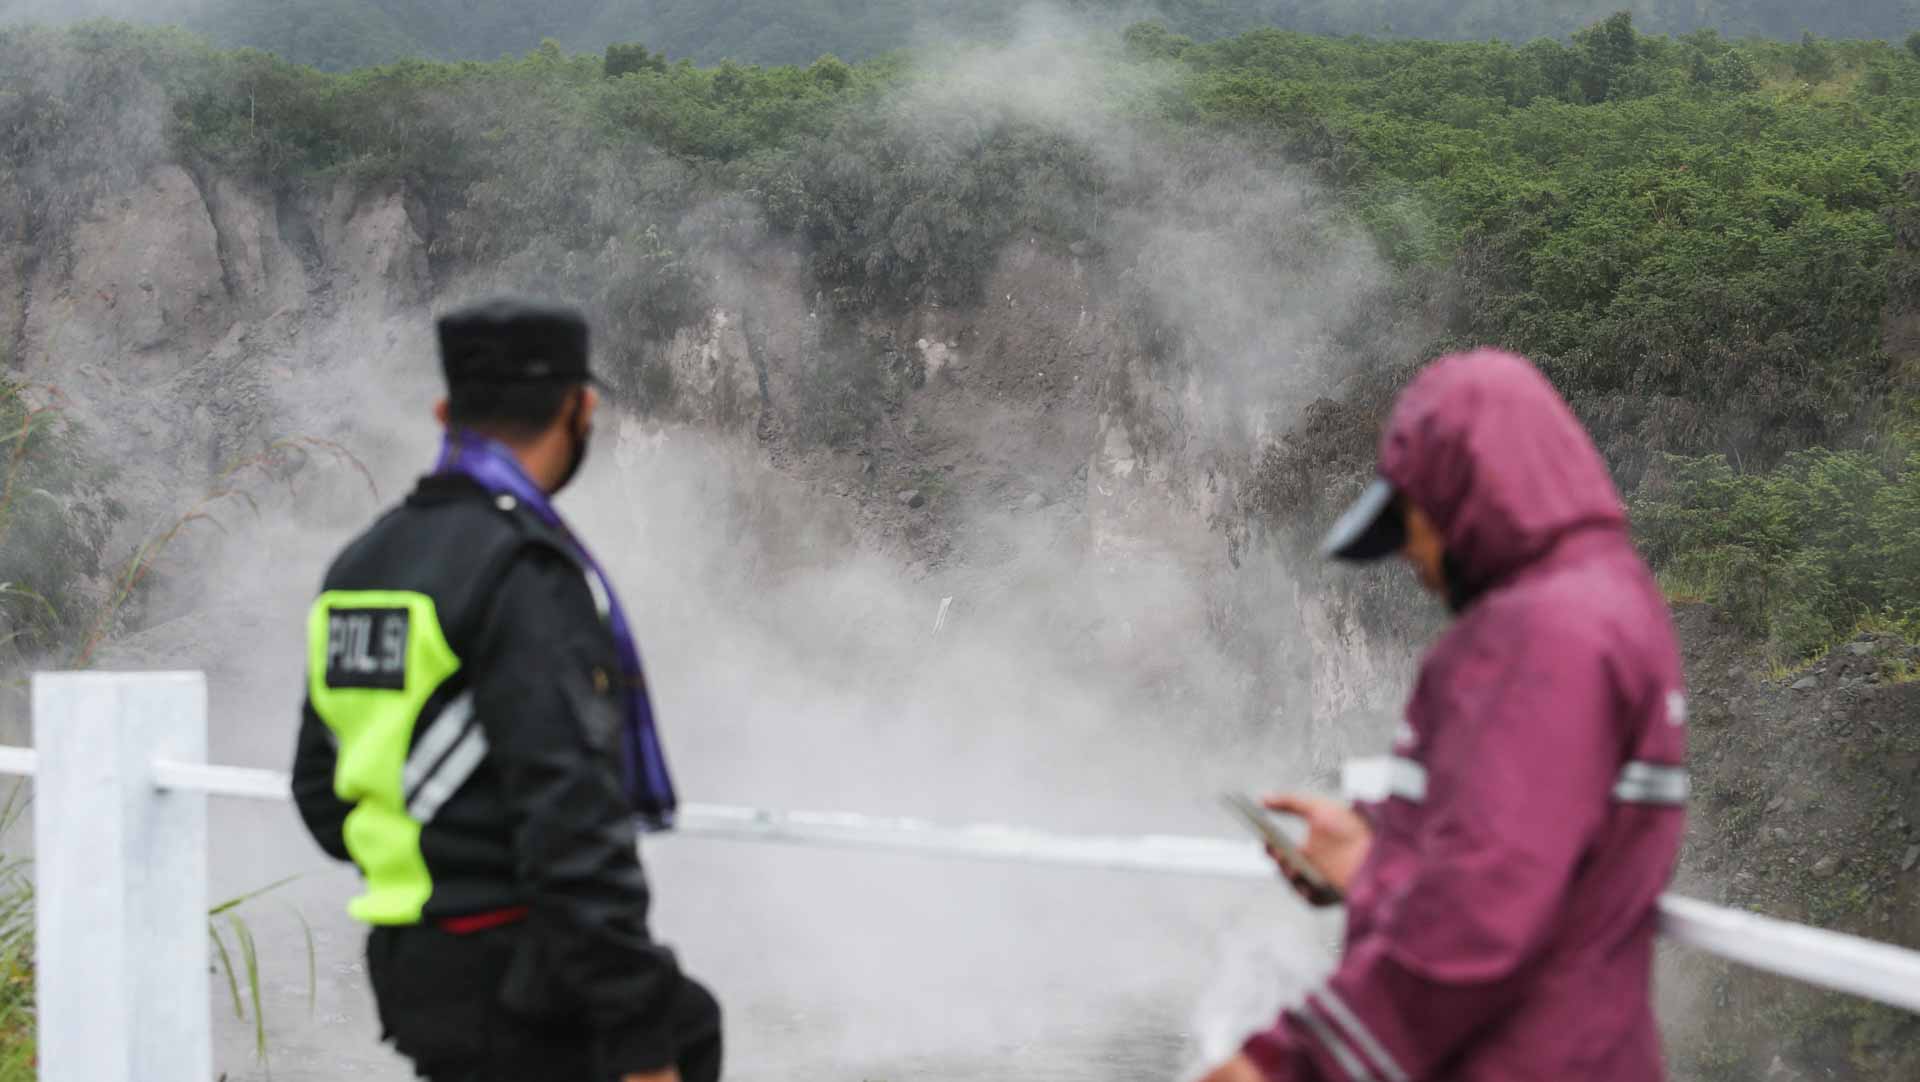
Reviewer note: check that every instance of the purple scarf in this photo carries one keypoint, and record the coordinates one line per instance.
(643, 765)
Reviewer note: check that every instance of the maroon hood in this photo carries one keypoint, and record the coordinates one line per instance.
(1483, 444)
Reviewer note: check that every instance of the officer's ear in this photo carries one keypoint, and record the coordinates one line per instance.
(588, 401)
(442, 412)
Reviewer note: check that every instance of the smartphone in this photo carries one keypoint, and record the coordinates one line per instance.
(1305, 878)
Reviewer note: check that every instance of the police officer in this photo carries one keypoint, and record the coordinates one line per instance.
(478, 738)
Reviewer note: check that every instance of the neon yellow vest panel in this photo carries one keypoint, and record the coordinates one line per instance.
(374, 660)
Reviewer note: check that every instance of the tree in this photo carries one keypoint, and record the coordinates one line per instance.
(1155, 41)
(1732, 72)
(1913, 44)
(1609, 48)
(625, 59)
(832, 72)
(729, 81)
(1700, 69)
(1812, 60)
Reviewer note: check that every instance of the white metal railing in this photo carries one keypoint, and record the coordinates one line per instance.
(120, 830)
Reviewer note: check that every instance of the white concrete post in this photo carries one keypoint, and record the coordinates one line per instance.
(121, 879)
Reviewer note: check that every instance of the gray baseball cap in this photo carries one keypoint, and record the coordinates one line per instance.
(1372, 527)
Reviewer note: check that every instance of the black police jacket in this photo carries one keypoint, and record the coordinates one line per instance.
(458, 743)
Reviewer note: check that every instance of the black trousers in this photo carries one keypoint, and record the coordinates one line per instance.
(440, 1007)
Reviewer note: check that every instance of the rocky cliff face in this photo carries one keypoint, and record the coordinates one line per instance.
(170, 310)
(1043, 407)
(209, 337)
(200, 326)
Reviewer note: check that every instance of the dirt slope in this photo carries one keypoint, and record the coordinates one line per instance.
(1806, 807)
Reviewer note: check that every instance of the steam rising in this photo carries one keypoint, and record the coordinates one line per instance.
(1105, 667)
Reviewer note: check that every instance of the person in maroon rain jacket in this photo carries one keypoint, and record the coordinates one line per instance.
(1502, 874)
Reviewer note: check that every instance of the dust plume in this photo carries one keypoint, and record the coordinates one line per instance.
(1116, 652)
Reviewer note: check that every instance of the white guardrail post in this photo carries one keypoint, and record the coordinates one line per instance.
(120, 870)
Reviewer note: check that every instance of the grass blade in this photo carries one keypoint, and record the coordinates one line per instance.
(226, 966)
(251, 956)
(313, 968)
(234, 903)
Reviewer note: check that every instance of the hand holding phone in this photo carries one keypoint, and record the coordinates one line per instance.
(1308, 880)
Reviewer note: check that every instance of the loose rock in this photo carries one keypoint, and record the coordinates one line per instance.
(1806, 683)
(1826, 866)
(912, 497)
(1913, 857)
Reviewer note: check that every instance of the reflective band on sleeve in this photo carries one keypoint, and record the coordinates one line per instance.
(455, 769)
(1329, 1038)
(1362, 1036)
(1652, 783)
(1370, 781)
(432, 746)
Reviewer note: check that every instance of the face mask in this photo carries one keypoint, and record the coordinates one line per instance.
(582, 436)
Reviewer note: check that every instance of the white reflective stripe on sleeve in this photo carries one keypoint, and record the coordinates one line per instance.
(1329, 1038)
(458, 766)
(1347, 1020)
(442, 733)
(602, 600)
(1370, 781)
(1652, 783)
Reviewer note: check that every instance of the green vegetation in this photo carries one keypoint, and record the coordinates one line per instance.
(57, 599)
(340, 34)
(52, 527)
(1697, 238)
(18, 1060)
(1699, 266)
(1798, 555)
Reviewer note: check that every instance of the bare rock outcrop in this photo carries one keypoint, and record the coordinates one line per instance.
(711, 368)
(375, 251)
(140, 275)
(262, 269)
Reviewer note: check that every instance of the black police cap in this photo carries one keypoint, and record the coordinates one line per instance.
(506, 340)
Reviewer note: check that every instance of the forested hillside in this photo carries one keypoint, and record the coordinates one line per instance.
(1696, 238)
(338, 34)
